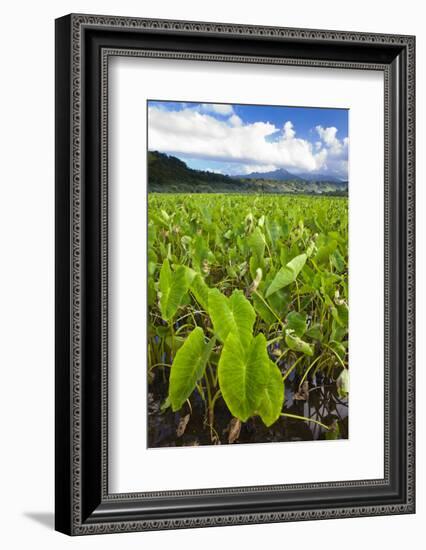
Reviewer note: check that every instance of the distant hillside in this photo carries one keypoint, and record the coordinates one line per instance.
(284, 175)
(168, 174)
(167, 170)
(321, 177)
(276, 175)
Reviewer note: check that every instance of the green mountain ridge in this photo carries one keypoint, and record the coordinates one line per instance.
(168, 174)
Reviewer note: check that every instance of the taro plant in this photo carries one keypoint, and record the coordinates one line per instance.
(249, 382)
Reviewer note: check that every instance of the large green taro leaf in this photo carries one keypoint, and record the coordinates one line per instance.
(188, 367)
(274, 230)
(173, 288)
(234, 314)
(200, 252)
(200, 290)
(256, 242)
(273, 396)
(287, 274)
(243, 374)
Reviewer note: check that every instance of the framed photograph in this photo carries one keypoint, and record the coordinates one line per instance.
(234, 274)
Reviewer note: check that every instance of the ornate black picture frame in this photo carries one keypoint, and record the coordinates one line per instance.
(84, 44)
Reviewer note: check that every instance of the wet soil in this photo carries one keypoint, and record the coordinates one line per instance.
(320, 401)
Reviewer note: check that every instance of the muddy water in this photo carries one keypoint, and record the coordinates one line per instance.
(319, 401)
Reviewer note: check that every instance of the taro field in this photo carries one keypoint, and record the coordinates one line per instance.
(247, 319)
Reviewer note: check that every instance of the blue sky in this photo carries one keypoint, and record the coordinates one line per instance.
(238, 139)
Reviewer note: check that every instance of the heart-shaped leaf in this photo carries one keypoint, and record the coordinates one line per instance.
(200, 290)
(256, 242)
(243, 374)
(234, 314)
(287, 274)
(173, 288)
(188, 367)
(273, 396)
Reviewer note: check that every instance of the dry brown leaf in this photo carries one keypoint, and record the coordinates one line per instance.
(183, 422)
(234, 430)
(303, 393)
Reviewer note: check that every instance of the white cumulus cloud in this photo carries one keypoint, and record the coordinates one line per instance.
(289, 131)
(199, 134)
(235, 120)
(218, 108)
(331, 141)
(336, 162)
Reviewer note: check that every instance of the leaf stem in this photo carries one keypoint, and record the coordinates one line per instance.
(308, 369)
(270, 309)
(293, 366)
(306, 419)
